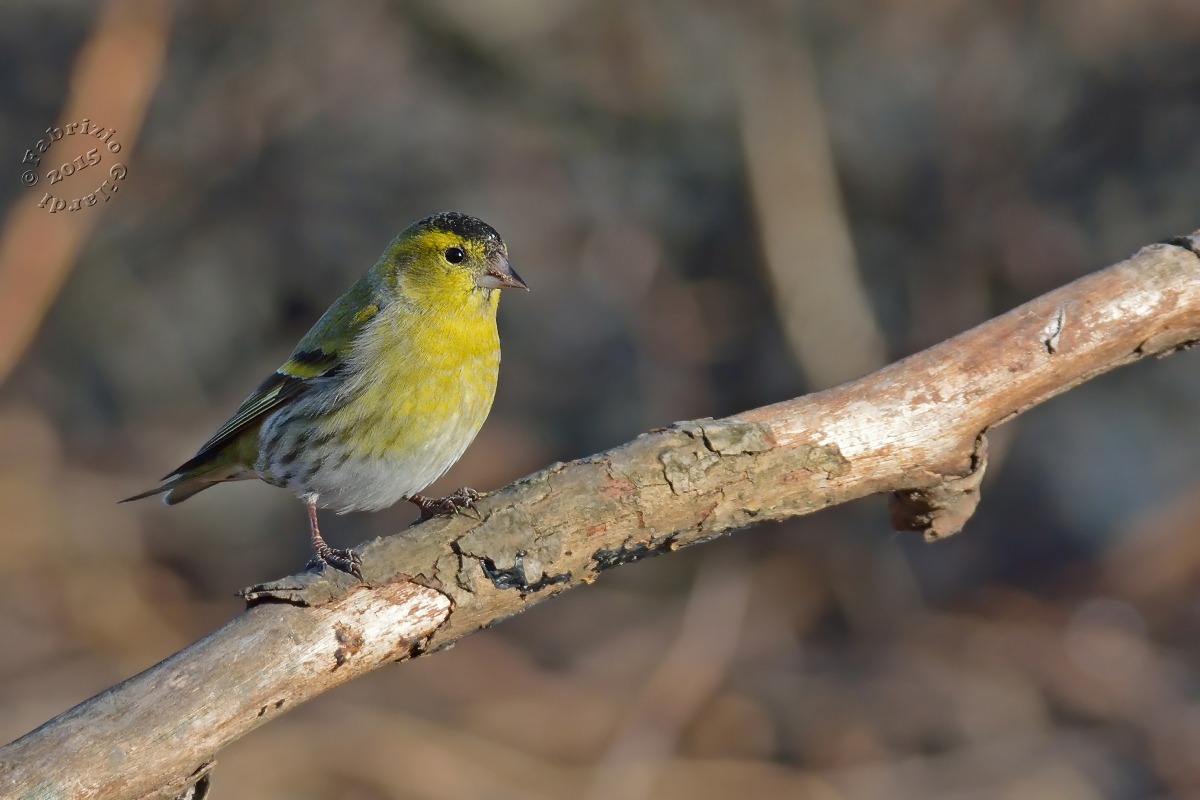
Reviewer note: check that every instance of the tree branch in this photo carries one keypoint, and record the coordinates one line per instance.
(915, 428)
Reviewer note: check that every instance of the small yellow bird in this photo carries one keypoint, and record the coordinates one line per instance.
(383, 394)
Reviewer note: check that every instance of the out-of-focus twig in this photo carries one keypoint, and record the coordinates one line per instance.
(915, 425)
(821, 302)
(111, 84)
(686, 677)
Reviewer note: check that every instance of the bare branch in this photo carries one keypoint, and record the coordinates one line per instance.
(915, 428)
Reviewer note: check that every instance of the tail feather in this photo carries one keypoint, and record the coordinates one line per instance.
(178, 488)
(227, 461)
(186, 489)
(144, 495)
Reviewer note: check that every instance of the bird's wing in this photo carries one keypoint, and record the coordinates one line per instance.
(321, 353)
(271, 395)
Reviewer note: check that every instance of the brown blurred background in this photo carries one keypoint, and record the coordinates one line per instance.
(718, 205)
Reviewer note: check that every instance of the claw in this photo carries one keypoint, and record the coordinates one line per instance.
(344, 560)
(453, 503)
(340, 559)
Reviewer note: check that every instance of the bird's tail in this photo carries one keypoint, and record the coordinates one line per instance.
(194, 476)
(177, 488)
(218, 461)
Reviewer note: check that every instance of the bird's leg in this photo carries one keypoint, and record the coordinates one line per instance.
(452, 503)
(345, 560)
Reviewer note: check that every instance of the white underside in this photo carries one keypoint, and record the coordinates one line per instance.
(374, 483)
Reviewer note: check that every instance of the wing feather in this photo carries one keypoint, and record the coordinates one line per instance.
(321, 353)
(271, 395)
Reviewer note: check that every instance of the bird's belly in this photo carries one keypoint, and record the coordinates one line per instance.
(380, 479)
(384, 442)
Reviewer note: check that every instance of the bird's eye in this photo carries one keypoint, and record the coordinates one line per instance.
(454, 255)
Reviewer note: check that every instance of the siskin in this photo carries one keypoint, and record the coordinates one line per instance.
(383, 394)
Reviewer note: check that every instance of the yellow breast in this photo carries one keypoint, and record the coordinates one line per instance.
(422, 383)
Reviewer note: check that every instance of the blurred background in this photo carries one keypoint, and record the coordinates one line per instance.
(718, 205)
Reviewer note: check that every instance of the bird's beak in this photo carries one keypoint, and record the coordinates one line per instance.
(499, 275)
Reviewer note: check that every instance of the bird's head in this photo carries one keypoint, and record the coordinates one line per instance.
(450, 259)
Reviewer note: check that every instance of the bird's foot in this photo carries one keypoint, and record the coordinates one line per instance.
(451, 504)
(338, 558)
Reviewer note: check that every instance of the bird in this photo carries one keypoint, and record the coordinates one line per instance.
(382, 395)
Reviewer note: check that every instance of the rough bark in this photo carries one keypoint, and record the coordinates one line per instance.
(915, 428)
